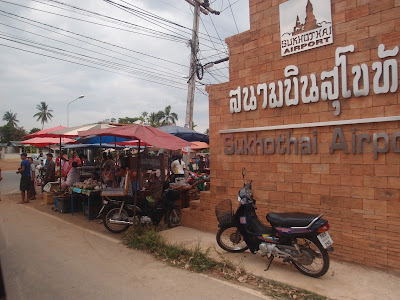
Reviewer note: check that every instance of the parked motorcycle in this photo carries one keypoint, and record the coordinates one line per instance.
(118, 214)
(298, 238)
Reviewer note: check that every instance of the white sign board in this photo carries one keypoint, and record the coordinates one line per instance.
(304, 25)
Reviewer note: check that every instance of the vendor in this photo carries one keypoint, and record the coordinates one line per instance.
(178, 168)
(108, 176)
(72, 159)
(73, 176)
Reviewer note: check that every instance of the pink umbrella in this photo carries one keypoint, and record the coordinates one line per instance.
(133, 143)
(43, 133)
(45, 141)
(147, 134)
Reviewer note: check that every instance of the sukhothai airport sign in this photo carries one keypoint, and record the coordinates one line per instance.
(292, 91)
(305, 24)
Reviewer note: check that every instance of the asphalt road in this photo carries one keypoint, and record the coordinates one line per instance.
(10, 182)
(44, 257)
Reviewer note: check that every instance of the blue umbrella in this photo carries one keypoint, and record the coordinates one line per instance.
(91, 139)
(186, 134)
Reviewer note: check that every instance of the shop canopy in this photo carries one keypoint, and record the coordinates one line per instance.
(42, 133)
(185, 133)
(199, 145)
(73, 131)
(134, 143)
(147, 134)
(45, 141)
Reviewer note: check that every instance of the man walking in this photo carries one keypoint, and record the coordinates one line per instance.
(25, 182)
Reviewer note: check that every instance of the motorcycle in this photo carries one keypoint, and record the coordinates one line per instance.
(298, 238)
(118, 214)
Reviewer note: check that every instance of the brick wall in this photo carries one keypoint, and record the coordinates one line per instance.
(360, 195)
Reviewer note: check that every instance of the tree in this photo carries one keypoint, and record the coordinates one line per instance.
(44, 113)
(168, 117)
(10, 133)
(33, 130)
(128, 120)
(207, 131)
(154, 119)
(10, 118)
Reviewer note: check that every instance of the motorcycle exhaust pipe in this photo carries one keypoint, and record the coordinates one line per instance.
(120, 222)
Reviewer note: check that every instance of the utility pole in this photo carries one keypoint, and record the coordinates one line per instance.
(204, 7)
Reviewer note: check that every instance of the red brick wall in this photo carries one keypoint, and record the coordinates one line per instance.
(359, 195)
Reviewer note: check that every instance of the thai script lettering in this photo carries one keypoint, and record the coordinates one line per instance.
(291, 91)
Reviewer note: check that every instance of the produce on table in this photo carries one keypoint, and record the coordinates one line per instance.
(88, 184)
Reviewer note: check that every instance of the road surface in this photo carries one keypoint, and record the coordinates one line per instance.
(43, 257)
(10, 182)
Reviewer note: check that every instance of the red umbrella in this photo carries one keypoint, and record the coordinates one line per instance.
(43, 133)
(45, 141)
(133, 143)
(147, 134)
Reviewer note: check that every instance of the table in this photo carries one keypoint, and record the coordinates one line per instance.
(89, 193)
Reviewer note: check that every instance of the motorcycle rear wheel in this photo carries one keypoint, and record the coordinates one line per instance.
(230, 239)
(174, 218)
(113, 213)
(320, 264)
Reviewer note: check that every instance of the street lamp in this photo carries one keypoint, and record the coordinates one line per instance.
(80, 97)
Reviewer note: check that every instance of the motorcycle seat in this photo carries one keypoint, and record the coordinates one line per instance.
(294, 219)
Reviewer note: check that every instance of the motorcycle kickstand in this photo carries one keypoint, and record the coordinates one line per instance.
(270, 262)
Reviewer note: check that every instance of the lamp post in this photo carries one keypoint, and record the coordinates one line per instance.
(80, 97)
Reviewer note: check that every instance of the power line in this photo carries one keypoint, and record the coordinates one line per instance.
(155, 35)
(81, 35)
(102, 62)
(36, 34)
(93, 67)
(230, 6)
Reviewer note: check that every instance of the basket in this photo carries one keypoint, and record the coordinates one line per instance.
(223, 211)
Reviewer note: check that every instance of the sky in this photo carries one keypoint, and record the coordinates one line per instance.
(55, 53)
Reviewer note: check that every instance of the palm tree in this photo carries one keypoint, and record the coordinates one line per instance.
(168, 117)
(44, 113)
(154, 119)
(10, 118)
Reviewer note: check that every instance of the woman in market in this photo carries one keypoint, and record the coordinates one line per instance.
(108, 176)
(73, 176)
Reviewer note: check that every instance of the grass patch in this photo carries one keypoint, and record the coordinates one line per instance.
(198, 260)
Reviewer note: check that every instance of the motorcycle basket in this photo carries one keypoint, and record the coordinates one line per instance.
(223, 211)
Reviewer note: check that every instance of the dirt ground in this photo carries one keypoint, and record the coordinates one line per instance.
(10, 164)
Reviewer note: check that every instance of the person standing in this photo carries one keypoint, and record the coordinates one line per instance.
(25, 181)
(32, 189)
(50, 169)
(71, 160)
(178, 167)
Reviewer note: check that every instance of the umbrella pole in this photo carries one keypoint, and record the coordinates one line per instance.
(101, 163)
(137, 181)
(60, 163)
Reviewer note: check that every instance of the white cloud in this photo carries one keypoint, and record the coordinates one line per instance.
(26, 78)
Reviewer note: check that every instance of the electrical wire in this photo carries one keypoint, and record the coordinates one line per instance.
(81, 35)
(230, 6)
(93, 67)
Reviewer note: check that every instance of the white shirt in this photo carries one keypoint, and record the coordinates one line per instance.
(178, 168)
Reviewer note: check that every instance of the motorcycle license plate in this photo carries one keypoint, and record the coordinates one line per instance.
(325, 239)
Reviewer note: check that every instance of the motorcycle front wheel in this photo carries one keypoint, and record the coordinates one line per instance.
(320, 258)
(230, 239)
(174, 217)
(113, 214)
